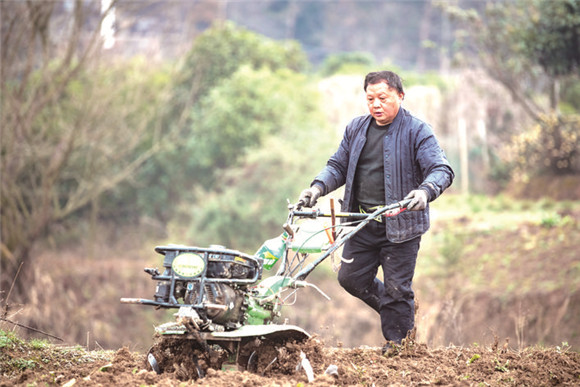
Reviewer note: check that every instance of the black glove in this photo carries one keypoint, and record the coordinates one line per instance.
(309, 196)
(419, 202)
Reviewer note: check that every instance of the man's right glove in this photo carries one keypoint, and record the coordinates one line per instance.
(309, 196)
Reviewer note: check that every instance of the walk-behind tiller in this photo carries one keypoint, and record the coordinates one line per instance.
(227, 314)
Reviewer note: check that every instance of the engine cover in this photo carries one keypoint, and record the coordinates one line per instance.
(225, 305)
(230, 266)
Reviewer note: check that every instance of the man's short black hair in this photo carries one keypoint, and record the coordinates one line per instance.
(392, 79)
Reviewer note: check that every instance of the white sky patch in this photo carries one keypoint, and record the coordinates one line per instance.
(108, 24)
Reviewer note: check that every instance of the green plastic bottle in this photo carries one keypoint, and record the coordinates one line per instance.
(272, 250)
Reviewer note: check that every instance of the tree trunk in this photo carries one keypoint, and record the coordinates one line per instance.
(555, 96)
(423, 36)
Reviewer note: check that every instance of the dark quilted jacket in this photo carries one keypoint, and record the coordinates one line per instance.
(413, 158)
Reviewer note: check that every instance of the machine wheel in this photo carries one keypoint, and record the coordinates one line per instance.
(264, 355)
(184, 356)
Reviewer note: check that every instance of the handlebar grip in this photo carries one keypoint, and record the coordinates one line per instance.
(405, 202)
(296, 206)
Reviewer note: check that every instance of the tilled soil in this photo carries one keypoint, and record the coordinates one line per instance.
(414, 364)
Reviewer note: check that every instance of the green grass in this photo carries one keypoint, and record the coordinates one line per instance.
(17, 354)
(499, 211)
(497, 243)
(38, 344)
(9, 339)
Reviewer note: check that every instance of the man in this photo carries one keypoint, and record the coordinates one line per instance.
(385, 156)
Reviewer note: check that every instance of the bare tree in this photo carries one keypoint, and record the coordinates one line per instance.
(66, 137)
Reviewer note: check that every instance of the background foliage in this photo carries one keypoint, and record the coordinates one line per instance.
(286, 140)
(215, 115)
(71, 125)
(531, 48)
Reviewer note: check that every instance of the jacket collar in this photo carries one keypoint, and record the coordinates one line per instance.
(394, 125)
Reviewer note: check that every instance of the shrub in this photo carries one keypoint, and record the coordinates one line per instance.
(549, 148)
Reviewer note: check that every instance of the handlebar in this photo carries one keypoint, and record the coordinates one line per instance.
(387, 211)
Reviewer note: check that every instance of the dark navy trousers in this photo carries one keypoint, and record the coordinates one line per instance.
(393, 298)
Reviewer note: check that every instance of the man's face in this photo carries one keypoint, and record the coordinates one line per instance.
(383, 102)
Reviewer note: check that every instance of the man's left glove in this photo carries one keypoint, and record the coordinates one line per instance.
(309, 196)
(419, 200)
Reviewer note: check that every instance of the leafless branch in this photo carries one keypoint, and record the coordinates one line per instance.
(30, 328)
